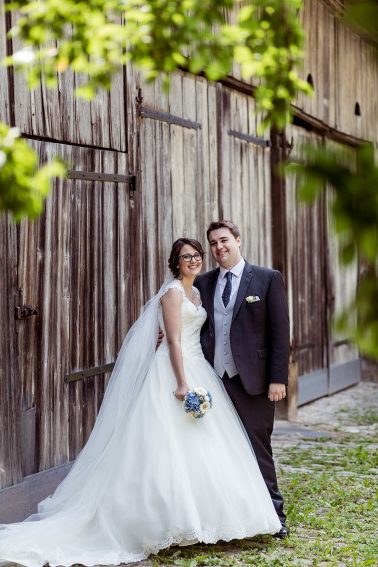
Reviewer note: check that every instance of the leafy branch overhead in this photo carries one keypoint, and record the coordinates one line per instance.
(23, 187)
(96, 37)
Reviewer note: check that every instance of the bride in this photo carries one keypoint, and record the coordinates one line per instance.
(150, 475)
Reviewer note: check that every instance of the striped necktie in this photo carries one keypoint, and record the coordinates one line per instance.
(227, 289)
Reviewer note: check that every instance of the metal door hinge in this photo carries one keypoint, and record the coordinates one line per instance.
(25, 311)
(104, 177)
(95, 371)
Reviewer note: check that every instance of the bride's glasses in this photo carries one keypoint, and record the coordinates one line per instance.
(189, 257)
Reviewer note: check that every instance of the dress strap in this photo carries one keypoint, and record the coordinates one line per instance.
(175, 284)
(198, 294)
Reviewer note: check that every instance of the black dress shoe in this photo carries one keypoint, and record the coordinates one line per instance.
(284, 532)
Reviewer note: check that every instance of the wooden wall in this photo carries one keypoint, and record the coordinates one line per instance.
(200, 159)
(57, 114)
(73, 266)
(319, 287)
(307, 274)
(344, 69)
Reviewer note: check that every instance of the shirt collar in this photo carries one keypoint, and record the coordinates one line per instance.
(236, 270)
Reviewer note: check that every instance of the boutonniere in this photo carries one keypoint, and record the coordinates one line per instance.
(252, 298)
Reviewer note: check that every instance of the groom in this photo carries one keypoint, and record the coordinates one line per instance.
(246, 340)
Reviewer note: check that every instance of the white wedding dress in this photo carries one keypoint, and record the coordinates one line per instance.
(162, 477)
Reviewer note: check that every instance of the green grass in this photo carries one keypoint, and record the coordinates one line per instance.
(331, 508)
(368, 417)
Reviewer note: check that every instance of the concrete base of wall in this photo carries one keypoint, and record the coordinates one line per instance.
(312, 386)
(20, 501)
(321, 383)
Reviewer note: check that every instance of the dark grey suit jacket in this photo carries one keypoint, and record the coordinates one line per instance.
(259, 332)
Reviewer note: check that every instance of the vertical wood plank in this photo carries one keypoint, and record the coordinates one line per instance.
(10, 451)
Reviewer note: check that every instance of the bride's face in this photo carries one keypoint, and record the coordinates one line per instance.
(190, 261)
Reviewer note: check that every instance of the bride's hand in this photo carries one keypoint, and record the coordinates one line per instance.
(181, 392)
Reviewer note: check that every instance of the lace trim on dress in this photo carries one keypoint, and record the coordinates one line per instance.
(174, 536)
(176, 284)
(198, 294)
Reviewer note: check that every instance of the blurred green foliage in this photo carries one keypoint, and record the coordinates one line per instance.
(23, 187)
(363, 15)
(96, 37)
(354, 186)
(354, 208)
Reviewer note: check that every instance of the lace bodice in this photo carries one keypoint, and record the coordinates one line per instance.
(193, 317)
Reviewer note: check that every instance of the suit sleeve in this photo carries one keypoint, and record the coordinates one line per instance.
(278, 331)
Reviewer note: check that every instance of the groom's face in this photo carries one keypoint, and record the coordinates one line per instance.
(225, 248)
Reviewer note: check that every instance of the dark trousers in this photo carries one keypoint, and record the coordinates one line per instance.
(257, 416)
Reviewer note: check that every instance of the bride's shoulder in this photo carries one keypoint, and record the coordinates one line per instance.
(173, 290)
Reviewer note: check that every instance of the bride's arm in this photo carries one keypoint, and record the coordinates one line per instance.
(171, 303)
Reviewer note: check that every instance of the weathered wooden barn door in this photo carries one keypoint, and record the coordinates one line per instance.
(10, 468)
(200, 159)
(319, 288)
(75, 300)
(177, 160)
(244, 173)
(307, 281)
(344, 362)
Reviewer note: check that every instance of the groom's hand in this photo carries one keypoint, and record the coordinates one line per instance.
(276, 392)
(160, 338)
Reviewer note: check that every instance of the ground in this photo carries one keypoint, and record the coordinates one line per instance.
(327, 466)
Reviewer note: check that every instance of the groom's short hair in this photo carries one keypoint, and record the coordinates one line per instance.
(223, 224)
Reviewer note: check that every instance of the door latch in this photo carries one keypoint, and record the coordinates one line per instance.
(25, 311)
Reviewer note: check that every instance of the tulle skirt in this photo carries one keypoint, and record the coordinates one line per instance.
(172, 479)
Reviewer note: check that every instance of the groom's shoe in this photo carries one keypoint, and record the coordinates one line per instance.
(284, 532)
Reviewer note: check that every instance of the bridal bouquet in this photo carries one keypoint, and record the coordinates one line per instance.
(197, 402)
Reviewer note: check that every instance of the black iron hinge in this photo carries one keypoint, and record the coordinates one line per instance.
(105, 177)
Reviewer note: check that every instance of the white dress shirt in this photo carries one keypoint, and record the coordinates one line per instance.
(236, 271)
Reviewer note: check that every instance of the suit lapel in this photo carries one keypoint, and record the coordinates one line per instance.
(244, 283)
(211, 293)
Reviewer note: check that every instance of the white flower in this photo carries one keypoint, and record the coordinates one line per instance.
(205, 407)
(24, 56)
(3, 158)
(252, 298)
(200, 391)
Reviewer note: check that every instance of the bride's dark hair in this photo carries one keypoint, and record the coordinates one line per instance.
(175, 253)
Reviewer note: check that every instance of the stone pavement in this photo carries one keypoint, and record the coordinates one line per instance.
(325, 419)
(319, 418)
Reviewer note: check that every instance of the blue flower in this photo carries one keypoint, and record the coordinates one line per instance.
(197, 402)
